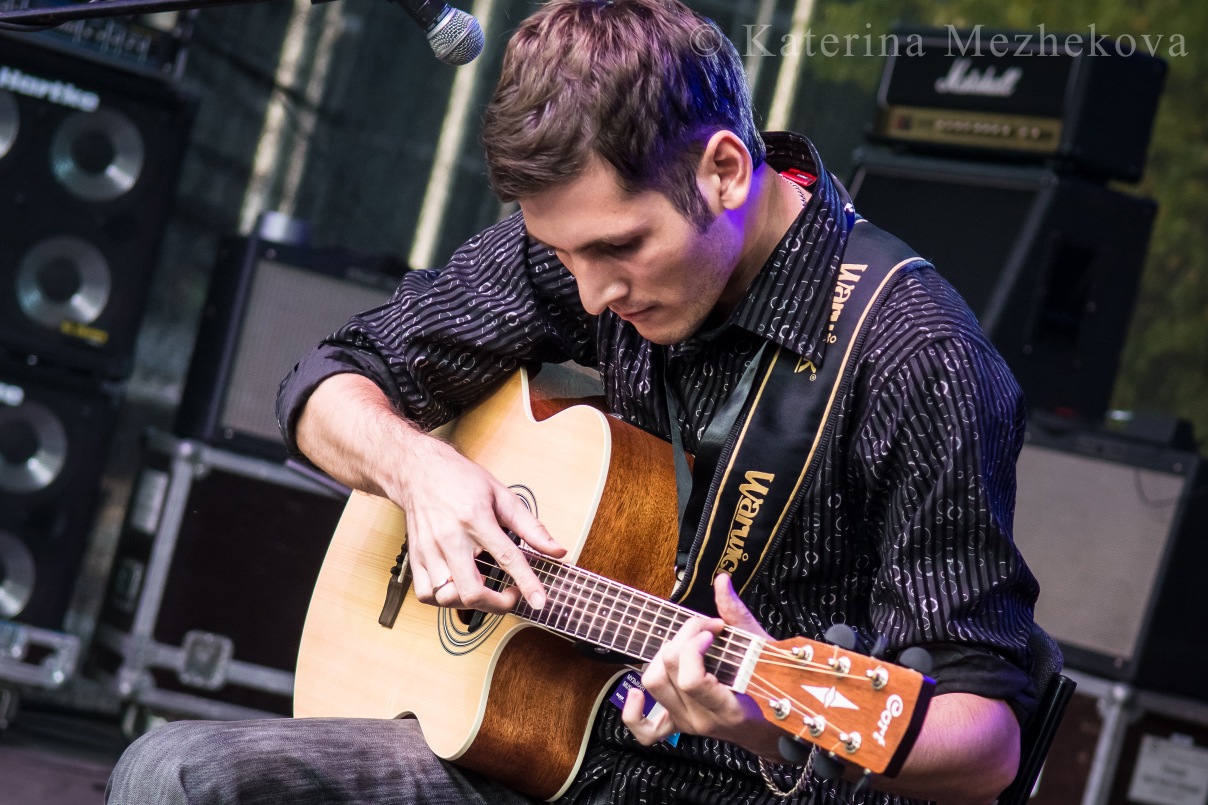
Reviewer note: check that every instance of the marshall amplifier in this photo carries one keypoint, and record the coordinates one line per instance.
(1006, 94)
(269, 304)
(1048, 263)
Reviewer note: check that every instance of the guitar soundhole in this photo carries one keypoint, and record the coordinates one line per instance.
(492, 577)
(472, 619)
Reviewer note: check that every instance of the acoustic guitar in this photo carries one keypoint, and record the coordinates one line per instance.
(509, 696)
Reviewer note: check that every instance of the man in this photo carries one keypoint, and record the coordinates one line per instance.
(658, 243)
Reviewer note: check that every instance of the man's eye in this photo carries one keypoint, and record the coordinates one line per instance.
(622, 249)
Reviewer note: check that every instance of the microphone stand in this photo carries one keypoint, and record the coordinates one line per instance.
(454, 36)
(40, 19)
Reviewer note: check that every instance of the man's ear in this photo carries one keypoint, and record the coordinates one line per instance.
(725, 172)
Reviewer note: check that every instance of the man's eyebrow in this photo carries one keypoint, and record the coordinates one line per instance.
(608, 241)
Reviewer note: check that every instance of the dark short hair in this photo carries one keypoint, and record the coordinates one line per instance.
(642, 84)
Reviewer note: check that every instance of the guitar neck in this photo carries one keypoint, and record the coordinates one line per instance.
(586, 606)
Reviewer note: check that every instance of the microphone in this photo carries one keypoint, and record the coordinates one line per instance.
(455, 36)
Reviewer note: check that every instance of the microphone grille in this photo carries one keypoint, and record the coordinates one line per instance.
(458, 39)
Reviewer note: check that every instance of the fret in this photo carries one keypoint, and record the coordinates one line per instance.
(645, 633)
(564, 604)
(663, 625)
(607, 602)
(625, 622)
(638, 628)
(587, 606)
(725, 666)
(576, 611)
(595, 598)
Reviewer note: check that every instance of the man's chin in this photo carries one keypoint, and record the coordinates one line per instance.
(665, 334)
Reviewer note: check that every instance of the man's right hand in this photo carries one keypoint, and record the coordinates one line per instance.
(456, 510)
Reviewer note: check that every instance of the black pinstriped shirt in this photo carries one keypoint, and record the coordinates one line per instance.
(906, 531)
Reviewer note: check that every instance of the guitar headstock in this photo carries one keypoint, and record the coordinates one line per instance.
(864, 710)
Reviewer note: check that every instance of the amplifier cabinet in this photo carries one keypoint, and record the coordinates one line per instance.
(1163, 753)
(1114, 530)
(268, 305)
(968, 95)
(212, 579)
(89, 160)
(1048, 263)
(1119, 745)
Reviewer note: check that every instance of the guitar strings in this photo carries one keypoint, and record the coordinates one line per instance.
(608, 605)
(666, 617)
(605, 596)
(568, 589)
(567, 586)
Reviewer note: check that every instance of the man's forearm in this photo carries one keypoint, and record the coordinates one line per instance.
(350, 429)
(967, 752)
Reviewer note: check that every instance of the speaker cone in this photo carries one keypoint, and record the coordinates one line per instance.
(33, 447)
(63, 277)
(98, 155)
(10, 121)
(17, 575)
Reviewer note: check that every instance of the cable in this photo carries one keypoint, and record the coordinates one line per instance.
(17, 27)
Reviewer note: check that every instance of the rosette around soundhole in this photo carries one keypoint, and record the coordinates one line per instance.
(33, 447)
(63, 278)
(97, 156)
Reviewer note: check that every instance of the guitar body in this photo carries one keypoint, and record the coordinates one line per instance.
(498, 695)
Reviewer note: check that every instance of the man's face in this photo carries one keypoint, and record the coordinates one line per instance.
(635, 254)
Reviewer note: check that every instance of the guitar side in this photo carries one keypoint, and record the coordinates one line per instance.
(508, 699)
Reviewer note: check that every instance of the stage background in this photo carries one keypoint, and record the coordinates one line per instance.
(334, 113)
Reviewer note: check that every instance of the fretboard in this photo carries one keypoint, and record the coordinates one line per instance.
(586, 606)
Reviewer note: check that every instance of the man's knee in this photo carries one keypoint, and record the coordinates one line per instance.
(154, 768)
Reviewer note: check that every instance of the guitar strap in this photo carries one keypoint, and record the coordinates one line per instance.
(746, 486)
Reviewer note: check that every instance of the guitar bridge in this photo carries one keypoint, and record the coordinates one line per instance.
(396, 590)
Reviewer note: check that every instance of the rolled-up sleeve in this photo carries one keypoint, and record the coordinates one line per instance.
(941, 443)
(448, 334)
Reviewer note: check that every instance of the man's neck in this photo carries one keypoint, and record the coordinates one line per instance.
(772, 208)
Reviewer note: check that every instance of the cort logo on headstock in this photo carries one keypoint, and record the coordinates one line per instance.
(893, 708)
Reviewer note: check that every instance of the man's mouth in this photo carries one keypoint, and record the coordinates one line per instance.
(635, 315)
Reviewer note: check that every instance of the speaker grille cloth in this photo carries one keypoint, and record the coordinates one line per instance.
(967, 231)
(290, 310)
(1094, 533)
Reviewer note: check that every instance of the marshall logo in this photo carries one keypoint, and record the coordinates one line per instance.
(963, 81)
(53, 91)
(753, 493)
(849, 275)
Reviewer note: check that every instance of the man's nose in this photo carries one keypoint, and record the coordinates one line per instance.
(599, 289)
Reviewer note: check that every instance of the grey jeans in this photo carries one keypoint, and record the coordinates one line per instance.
(295, 761)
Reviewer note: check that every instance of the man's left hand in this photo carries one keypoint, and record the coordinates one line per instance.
(690, 699)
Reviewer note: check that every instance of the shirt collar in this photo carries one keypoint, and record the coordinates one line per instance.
(788, 302)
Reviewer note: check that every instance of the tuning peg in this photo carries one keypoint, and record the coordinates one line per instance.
(827, 766)
(794, 751)
(843, 636)
(865, 781)
(878, 647)
(916, 659)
